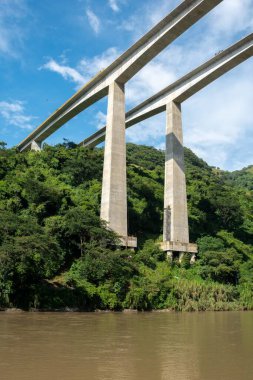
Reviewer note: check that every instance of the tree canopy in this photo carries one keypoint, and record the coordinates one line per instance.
(55, 252)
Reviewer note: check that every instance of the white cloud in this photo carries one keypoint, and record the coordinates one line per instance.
(101, 119)
(156, 75)
(12, 32)
(93, 20)
(85, 69)
(232, 16)
(65, 71)
(14, 115)
(147, 16)
(4, 41)
(114, 5)
(91, 66)
(149, 132)
(217, 121)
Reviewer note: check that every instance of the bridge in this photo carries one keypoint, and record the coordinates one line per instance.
(169, 100)
(111, 82)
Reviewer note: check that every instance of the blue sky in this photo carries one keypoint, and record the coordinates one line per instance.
(49, 48)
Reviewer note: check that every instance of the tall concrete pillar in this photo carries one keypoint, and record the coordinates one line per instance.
(175, 228)
(114, 187)
(175, 201)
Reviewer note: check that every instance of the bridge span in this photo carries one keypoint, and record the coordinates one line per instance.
(125, 67)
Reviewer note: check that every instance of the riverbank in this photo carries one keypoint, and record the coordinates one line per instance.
(160, 287)
(9, 310)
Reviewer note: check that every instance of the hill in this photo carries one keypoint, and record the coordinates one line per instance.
(241, 178)
(55, 253)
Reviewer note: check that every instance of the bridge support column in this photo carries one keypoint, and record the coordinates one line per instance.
(175, 227)
(114, 187)
(36, 146)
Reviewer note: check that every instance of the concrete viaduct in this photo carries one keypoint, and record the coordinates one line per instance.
(175, 230)
(111, 82)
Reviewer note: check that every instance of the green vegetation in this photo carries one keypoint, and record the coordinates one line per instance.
(242, 178)
(55, 253)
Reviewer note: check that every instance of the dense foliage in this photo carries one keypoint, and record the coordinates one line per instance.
(241, 178)
(56, 253)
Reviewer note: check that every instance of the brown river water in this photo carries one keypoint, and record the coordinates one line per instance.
(115, 346)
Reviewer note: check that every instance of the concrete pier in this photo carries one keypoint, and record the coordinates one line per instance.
(175, 228)
(114, 187)
(36, 146)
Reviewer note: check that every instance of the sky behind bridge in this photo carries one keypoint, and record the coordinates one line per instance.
(49, 49)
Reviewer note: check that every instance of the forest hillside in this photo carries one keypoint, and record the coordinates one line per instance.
(56, 254)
